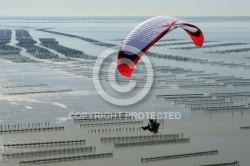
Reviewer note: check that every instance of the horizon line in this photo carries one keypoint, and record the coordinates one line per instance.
(128, 16)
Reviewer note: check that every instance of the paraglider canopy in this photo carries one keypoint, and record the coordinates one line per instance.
(146, 34)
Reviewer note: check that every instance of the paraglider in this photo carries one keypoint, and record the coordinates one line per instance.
(145, 35)
(154, 126)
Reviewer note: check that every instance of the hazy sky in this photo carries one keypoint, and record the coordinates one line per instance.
(124, 7)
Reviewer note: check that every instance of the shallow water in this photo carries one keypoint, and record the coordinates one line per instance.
(215, 131)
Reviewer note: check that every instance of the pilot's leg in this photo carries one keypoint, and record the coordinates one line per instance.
(145, 128)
